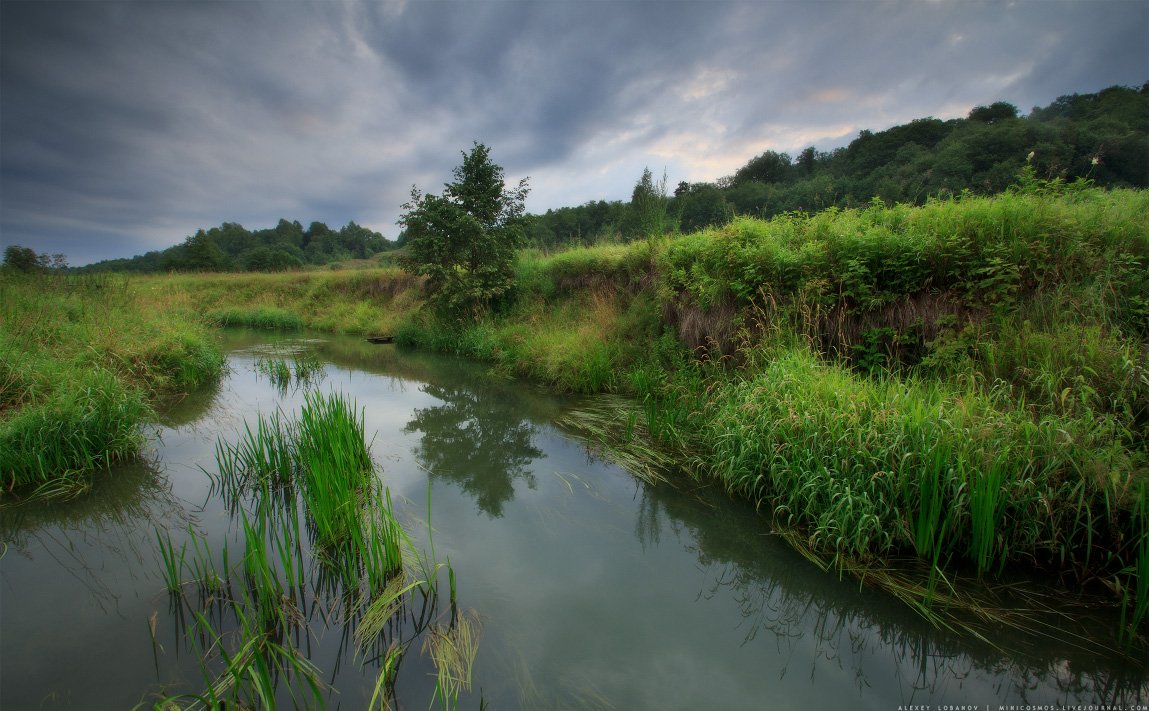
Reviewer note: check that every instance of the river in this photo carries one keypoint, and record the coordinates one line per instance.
(594, 590)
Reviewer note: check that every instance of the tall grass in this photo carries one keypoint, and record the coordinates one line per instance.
(82, 361)
(875, 467)
(966, 381)
(1135, 602)
(266, 318)
(360, 301)
(319, 532)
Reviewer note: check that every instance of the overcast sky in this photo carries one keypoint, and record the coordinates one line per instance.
(125, 126)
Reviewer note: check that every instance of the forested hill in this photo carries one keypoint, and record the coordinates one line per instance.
(231, 247)
(1103, 137)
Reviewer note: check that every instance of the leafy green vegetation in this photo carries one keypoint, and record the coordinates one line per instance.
(464, 241)
(82, 360)
(320, 543)
(25, 260)
(231, 247)
(580, 318)
(1103, 137)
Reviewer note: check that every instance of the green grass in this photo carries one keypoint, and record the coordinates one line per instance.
(323, 457)
(357, 301)
(1135, 602)
(966, 382)
(876, 467)
(267, 318)
(82, 361)
(319, 533)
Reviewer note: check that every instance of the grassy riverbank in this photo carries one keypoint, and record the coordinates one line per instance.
(965, 383)
(351, 301)
(82, 362)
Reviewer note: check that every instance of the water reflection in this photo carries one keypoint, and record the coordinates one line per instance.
(75, 580)
(596, 590)
(814, 623)
(118, 506)
(480, 443)
(187, 408)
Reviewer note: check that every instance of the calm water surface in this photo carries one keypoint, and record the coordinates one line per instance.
(594, 590)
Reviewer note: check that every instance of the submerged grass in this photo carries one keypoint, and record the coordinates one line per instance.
(452, 650)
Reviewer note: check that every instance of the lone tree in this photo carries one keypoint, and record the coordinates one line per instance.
(464, 241)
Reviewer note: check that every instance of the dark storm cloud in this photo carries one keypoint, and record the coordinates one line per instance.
(126, 126)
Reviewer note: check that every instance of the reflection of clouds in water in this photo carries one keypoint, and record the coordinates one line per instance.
(822, 625)
(111, 527)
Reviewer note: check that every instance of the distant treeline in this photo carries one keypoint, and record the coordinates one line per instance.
(231, 247)
(1103, 137)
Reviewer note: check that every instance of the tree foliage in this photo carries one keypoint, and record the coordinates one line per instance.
(1102, 137)
(21, 259)
(231, 246)
(464, 240)
(648, 204)
(25, 259)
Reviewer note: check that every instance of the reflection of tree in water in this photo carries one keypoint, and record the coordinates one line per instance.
(476, 440)
(864, 631)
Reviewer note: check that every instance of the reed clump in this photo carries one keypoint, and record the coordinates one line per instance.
(322, 458)
(298, 370)
(319, 537)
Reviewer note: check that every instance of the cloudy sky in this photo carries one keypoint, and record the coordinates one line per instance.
(125, 126)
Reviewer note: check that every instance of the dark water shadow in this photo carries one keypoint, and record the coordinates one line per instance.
(784, 598)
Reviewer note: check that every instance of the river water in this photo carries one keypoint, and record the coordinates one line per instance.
(594, 590)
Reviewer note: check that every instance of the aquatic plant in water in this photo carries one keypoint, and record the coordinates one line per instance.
(302, 370)
(319, 536)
